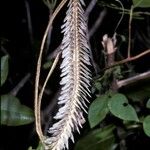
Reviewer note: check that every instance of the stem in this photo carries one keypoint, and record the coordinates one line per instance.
(36, 101)
(44, 85)
(134, 79)
(20, 85)
(129, 59)
(29, 22)
(129, 42)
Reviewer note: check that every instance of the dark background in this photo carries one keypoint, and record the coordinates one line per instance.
(15, 38)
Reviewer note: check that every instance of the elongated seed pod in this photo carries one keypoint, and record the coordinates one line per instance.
(75, 78)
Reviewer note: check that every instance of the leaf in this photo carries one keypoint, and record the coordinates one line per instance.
(13, 113)
(148, 104)
(146, 125)
(98, 86)
(117, 72)
(48, 64)
(40, 147)
(4, 69)
(119, 107)
(141, 3)
(98, 110)
(99, 139)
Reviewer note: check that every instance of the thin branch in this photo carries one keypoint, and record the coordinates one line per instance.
(92, 31)
(127, 11)
(48, 39)
(48, 111)
(29, 22)
(36, 102)
(20, 85)
(51, 6)
(129, 42)
(45, 83)
(54, 53)
(97, 23)
(129, 59)
(132, 58)
(90, 8)
(125, 82)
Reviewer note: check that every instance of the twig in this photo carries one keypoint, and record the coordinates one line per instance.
(127, 11)
(45, 83)
(129, 42)
(20, 84)
(92, 31)
(109, 45)
(36, 101)
(125, 82)
(48, 111)
(129, 59)
(51, 6)
(132, 58)
(97, 23)
(54, 53)
(90, 8)
(123, 11)
(48, 39)
(27, 6)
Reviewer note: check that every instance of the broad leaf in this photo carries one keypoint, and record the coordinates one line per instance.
(4, 69)
(99, 139)
(141, 3)
(148, 104)
(146, 125)
(98, 110)
(13, 113)
(119, 107)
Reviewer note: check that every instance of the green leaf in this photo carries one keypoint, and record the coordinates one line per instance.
(99, 139)
(148, 104)
(146, 125)
(141, 3)
(119, 107)
(40, 147)
(13, 113)
(98, 85)
(48, 64)
(4, 69)
(98, 110)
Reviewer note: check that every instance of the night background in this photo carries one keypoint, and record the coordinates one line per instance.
(23, 24)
